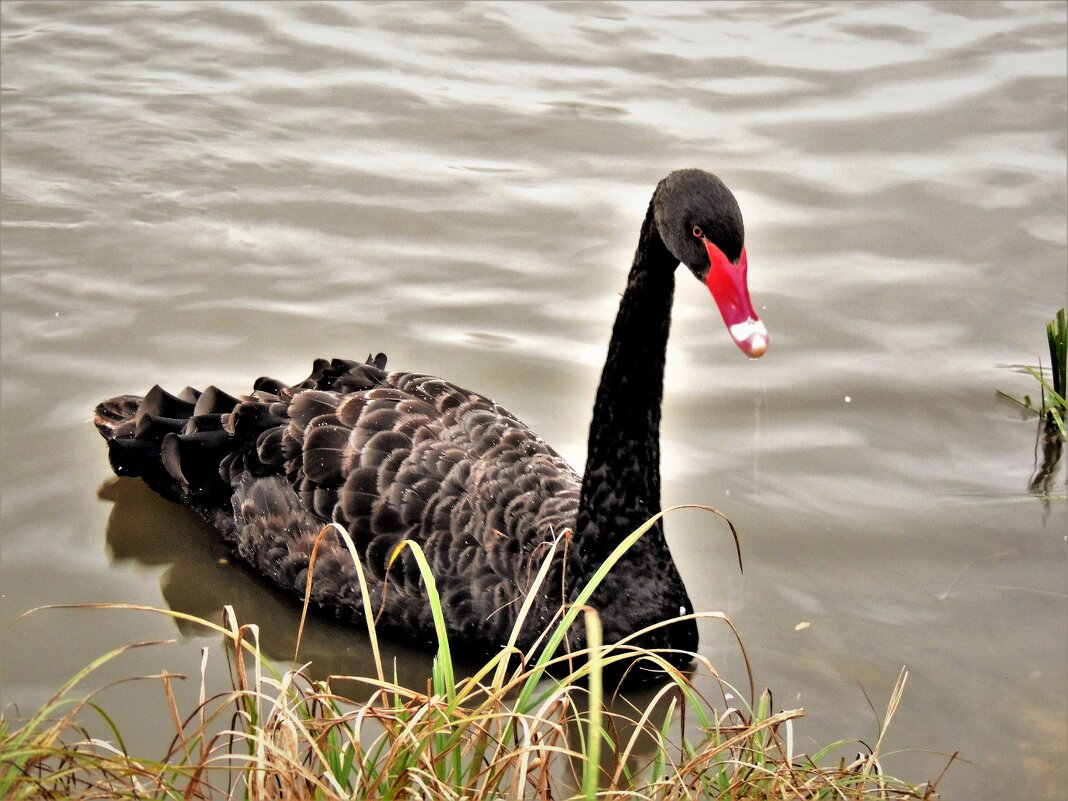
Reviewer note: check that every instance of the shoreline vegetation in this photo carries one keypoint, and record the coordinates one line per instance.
(551, 728)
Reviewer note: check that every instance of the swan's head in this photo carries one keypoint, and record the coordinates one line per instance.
(699, 221)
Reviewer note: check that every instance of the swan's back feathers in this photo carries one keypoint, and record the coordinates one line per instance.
(389, 456)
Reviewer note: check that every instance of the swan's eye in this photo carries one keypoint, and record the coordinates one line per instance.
(697, 232)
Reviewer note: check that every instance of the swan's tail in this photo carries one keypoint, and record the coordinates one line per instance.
(152, 437)
(197, 447)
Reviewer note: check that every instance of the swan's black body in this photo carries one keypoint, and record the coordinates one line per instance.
(395, 456)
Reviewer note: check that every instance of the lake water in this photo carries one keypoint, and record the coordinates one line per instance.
(206, 193)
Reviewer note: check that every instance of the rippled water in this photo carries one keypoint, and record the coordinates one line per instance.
(199, 194)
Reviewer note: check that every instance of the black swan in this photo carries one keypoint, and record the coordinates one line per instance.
(393, 456)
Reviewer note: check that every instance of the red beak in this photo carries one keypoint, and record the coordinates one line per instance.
(728, 286)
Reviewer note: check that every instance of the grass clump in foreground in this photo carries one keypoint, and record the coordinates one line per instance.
(1053, 406)
(513, 730)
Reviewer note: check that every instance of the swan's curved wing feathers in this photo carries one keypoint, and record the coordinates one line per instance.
(389, 456)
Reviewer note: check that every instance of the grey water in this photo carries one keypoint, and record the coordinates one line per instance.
(199, 194)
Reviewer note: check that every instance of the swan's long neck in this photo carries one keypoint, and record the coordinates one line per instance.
(621, 485)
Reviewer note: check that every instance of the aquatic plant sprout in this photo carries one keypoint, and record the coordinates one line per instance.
(1053, 406)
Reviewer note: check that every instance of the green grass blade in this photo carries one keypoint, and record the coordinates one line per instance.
(569, 616)
(591, 766)
(1057, 336)
(365, 594)
(524, 611)
(444, 655)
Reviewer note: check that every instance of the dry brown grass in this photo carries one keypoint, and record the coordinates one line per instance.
(543, 730)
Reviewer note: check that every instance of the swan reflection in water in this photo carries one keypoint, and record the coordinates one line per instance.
(1049, 448)
(201, 579)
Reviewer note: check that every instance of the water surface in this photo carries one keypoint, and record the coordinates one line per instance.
(206, 193)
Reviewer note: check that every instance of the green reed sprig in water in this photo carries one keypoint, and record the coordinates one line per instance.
(1057, 334)
(1053, 407)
